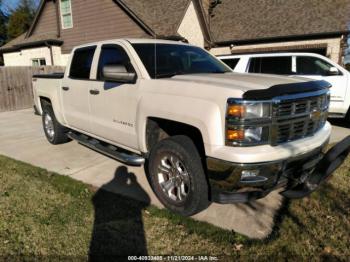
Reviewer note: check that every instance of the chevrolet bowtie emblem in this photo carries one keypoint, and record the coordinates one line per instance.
(316, 115)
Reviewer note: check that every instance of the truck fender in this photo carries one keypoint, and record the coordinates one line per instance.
(202, 114)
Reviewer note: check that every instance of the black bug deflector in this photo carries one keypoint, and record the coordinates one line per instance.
(286, 89)
(331, 161)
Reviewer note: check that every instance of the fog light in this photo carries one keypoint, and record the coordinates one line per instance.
(249, 173)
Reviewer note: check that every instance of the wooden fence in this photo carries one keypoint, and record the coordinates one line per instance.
(16, 90)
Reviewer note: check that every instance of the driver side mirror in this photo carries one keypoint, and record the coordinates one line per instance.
(333, 71)
(118, 73)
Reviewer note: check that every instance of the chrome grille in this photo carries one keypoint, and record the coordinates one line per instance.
(302, 106)
(298, 118)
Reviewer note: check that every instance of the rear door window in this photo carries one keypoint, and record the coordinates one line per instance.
(281, 65)
(231, 62)
(81, 63)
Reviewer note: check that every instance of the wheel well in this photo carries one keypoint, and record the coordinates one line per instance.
(158, 129)
(44, 101)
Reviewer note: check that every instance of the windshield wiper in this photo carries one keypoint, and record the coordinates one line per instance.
(169, 75)
(218, 72)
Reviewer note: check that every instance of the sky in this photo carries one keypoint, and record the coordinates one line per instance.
(9, 4)
(12, 4)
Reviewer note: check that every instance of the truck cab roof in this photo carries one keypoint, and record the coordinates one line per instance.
(133, 41)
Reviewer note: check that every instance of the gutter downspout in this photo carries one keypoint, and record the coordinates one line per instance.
(51, 53)
(58, 19)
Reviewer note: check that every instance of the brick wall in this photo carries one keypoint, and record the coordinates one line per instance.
(333, 47)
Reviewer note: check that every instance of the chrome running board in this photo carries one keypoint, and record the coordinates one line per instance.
(114, 152)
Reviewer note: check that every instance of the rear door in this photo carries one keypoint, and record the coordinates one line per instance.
(75, 89)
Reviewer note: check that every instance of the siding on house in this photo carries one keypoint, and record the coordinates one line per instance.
(92, 21)
(47, 21)
(190, 27)
(24, 57)
(107, 19)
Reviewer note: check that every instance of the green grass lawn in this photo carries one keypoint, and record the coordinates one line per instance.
(45, 214)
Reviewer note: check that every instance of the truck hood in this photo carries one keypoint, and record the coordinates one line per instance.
(243, 82)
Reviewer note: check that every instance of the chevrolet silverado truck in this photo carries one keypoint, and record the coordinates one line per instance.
(203, 133)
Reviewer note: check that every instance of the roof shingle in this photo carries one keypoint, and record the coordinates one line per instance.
(162, 16)
(23, 41)
(238, 20)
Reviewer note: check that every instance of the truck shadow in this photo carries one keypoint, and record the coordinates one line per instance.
(118, 228)
(339, 122)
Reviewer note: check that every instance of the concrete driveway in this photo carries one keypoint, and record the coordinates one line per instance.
(22, 138)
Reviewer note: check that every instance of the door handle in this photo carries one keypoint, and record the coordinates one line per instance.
(65, 88)
(94, 92)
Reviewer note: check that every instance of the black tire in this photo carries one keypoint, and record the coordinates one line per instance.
(59, 134)
(347, 118)
(194, 185)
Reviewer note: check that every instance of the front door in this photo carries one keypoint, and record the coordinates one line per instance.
(75, 90)
(113, 105)
(319, 69)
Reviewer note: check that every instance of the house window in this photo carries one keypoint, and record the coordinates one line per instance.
(38, 62)
(66, 14)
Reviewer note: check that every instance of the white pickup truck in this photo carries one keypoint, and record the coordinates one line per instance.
(312, 66)
(205, 133)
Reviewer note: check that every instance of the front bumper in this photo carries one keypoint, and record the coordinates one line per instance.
(300, 175)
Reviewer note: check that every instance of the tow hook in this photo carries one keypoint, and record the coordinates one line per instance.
(331, 161)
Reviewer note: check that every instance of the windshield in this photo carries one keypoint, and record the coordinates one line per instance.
(168, 60)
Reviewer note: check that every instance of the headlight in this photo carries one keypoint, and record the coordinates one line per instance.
(243, 111)
(248, 122)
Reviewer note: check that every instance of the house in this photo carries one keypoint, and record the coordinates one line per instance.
(222, 26)
(251, 26)
(60, 25)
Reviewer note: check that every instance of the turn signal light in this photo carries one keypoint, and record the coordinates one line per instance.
(235, 135)
(236, 111)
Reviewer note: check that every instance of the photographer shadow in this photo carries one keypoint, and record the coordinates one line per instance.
(118, 228)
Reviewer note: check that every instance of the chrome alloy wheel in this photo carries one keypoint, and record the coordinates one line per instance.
(173, 178)
(49, 127)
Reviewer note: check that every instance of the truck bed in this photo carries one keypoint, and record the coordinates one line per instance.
(48, 86)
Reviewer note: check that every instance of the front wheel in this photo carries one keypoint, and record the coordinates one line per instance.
(177, 176)
(347, 117)
(54, 131)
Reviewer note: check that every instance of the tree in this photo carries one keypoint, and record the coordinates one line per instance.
(3, 26)
(21, 18)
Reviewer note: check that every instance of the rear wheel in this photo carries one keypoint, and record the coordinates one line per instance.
(177, 176)
(54, 131)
